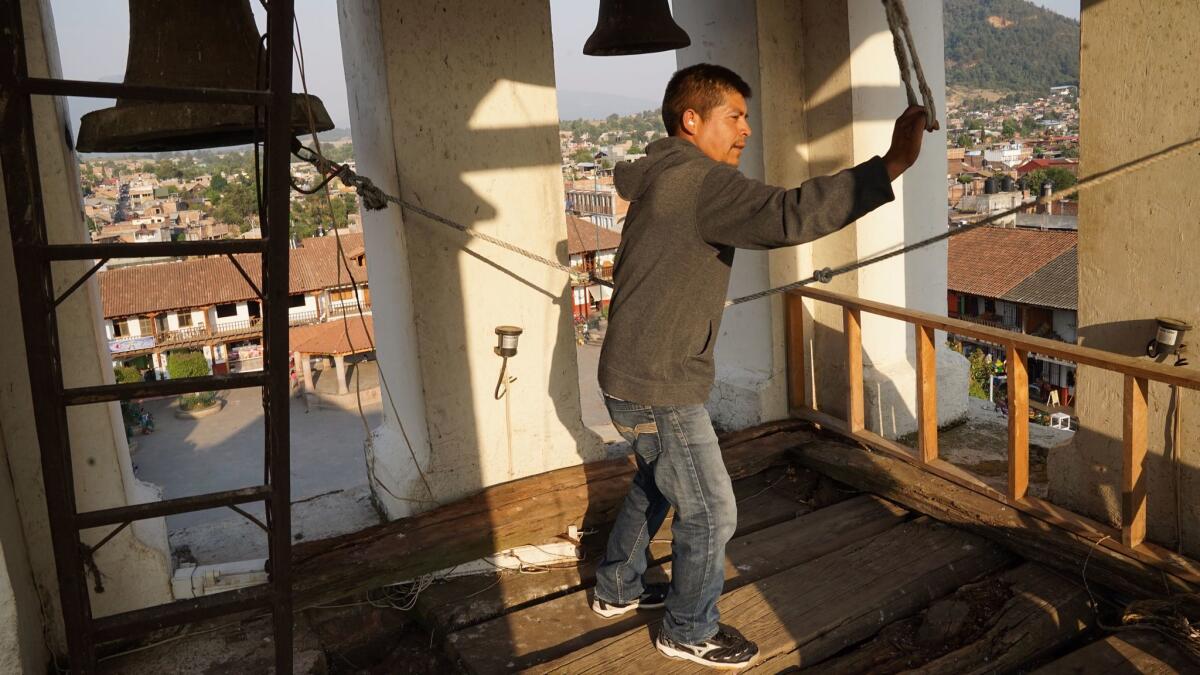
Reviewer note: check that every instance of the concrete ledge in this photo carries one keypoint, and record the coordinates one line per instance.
(348, 401)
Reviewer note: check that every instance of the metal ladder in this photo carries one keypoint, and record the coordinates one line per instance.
(34, 256)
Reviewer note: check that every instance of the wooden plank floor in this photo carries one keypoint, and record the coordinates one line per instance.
(824, 580)
(813, 610)
(765, 499)
(560, 626)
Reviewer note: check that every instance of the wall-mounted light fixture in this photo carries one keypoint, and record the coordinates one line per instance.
(1168, 339)
(506, 342)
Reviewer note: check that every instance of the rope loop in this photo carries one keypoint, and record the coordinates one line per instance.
(905, 47)
(824, 275)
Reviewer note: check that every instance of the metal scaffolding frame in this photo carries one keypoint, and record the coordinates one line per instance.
(34, 256)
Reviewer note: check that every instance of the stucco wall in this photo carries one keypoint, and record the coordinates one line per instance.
(474, 132)
(1138, 238)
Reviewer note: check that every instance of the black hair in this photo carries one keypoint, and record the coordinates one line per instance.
(701, 87)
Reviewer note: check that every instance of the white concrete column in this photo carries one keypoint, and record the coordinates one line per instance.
(916, 280)
(136, 563)
(470, 129)
(339, 363)
(306, 368)
(385, 238)
(748, 386)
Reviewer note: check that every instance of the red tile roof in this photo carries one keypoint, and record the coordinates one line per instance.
(1045, 163)
(330, 337)
(582, 234)
(991, 261)
(199, 282)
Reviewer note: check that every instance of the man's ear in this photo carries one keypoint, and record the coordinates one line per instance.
(689, 121)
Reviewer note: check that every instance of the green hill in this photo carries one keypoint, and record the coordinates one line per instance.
(1009, 46)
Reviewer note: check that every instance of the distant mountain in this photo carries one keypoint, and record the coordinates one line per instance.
(1009, 46)
(574, 105)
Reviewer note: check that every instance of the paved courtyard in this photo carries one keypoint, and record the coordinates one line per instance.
(225, 451)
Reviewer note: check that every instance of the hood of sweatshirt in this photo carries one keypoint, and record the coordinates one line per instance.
(632, 179)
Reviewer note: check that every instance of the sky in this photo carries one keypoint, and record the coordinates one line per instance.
(93, 37)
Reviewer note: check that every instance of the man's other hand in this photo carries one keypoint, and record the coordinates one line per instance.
(906, 141)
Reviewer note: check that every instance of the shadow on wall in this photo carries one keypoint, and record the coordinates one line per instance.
(1087, 476)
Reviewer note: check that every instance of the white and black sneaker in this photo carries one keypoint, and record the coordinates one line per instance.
(728, 649)
(652, 597)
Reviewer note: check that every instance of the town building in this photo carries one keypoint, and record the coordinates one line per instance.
(593, 251)
(205, 304)
(1022, 280)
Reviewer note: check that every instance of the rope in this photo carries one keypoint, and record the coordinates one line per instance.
(375, 199)
(905, 47)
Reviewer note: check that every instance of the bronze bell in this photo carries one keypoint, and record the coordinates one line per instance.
(635, 27)
(190, 43)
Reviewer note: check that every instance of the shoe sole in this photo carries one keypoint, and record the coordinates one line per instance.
(613, 611)
(672, 653)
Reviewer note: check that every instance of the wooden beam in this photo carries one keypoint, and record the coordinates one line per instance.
(1133, 482)
(852, 326)
(1035, 530)
(529, 510)
(794, 309)
(1018, 423)
(926, 394)
(1045, 612)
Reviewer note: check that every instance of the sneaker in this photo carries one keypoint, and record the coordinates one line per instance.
(653, 597)
(728, 649)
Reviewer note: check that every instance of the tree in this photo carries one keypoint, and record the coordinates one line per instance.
(1009, 128)
(582, 155)
(965, 141)
(238, 205)
(186, 363)
(636, 150)
(127, 374)
(1060, 179)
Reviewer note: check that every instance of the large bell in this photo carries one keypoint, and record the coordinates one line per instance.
(635, 27)
(190, 43)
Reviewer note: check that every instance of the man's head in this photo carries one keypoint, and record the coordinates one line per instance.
(705, 105)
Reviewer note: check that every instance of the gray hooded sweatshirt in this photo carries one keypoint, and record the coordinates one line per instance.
(687, 215)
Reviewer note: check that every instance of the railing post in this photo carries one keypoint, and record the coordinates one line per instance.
(852, 325)
(926, 393)
(1018, 423)
(1133, 484)
(794, 310)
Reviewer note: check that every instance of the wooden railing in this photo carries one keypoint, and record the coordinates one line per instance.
(1138, 373)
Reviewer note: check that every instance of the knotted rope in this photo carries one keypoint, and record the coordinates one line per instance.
(902, 42)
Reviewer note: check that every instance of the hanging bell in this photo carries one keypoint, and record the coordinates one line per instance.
(635, 27)
(190, 43)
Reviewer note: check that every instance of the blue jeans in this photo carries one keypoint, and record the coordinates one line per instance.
(679, 465)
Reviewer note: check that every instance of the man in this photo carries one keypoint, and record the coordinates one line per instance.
(690, 209)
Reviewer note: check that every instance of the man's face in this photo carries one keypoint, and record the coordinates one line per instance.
(722, 135)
